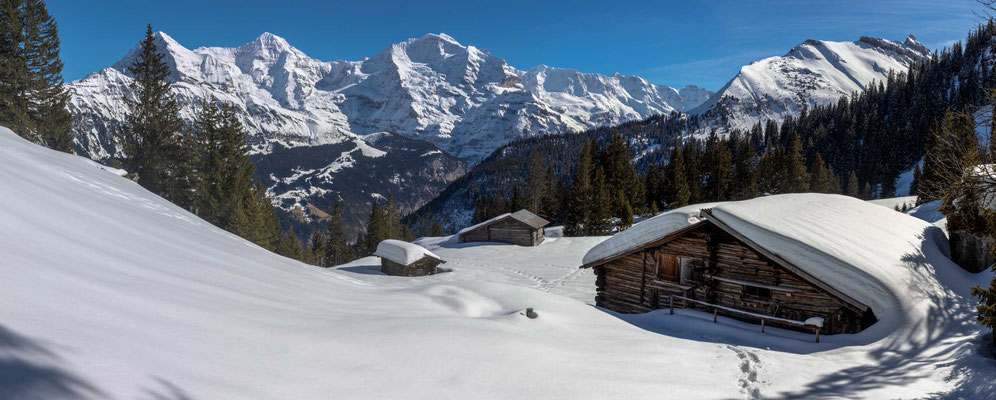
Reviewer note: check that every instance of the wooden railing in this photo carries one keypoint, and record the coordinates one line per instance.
(762, 317)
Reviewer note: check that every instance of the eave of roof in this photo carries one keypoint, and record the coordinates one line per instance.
(523, 216)
(655, 243)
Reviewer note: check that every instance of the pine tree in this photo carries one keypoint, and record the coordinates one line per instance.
(376, 228)
(392, 219)
(536, 183)
(819, 179)
(601, 205)
(435, 230)
(853, 187)
(744, 179)
(656, 185)
(955, 150)
(693, 170)
(928, 186)
(316, 249)
(291, 247)
(677, 193)
(718, 167)
(771, 173)
(207, 156)
(264, 226)
(336, 248)
(797, 179)
(579, 202)
(14, 77)
(32, 96)
(625, 214)
(151, 133)
(835, 187)
(986, 310)
(914, 184)
(47, 96)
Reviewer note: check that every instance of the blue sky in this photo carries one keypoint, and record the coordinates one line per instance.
(667, 42)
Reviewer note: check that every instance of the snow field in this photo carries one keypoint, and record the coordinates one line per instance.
(109, 292)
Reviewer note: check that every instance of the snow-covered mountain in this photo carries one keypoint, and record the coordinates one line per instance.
(460, 98)
(310, 122)
(816, 72)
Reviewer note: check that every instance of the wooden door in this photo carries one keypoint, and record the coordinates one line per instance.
(668, 268)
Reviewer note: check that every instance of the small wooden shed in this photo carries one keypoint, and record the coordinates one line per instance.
(400, 258)
(711, 267)
(521, 227)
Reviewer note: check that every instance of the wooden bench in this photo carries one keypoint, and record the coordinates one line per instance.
(762, 317)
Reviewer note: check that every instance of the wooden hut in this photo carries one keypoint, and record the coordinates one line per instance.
(521, 227)
(711, 267)
(400, 258)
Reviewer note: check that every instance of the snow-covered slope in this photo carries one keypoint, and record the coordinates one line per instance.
(461, 98)
(816, 72)
(110, 292)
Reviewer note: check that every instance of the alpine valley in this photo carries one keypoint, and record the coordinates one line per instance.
(415, 117)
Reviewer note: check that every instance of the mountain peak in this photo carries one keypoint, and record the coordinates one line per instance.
(160, 35)
(438, 37)
(269, 39)
(915, 44)
(165, 44)
(268, 42)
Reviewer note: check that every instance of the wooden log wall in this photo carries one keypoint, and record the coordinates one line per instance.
(510, 230)
(720, 265)
(423, 267)
(477, 235)
(507, 230)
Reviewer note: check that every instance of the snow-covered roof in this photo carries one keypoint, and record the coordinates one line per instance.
(523, 216)
(646, 231)
(845, 243)
(402, 252)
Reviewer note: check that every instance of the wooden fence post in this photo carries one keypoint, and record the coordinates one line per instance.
(715, 314)
(817, 329)
(762, 325)
(670, 304)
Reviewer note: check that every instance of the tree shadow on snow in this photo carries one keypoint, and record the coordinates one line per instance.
(166, 391)
(29, 369)
(948, 338)
(362, 269)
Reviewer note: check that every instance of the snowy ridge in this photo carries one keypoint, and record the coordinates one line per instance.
(816, 72)
(461, 98)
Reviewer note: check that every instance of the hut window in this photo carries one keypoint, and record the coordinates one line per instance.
(755, 291)
(668, 268)
(688, 273)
